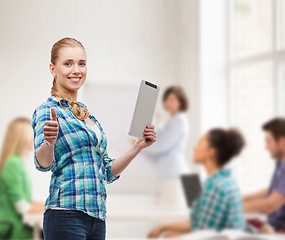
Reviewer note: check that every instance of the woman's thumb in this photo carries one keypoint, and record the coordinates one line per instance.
(53, 114)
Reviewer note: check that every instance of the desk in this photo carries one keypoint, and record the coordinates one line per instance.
(139, 212)
(34, 220)
(123, 213)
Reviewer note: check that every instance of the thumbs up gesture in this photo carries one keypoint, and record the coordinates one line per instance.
(51, 129)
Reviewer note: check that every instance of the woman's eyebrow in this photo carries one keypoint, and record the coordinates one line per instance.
(71, 60)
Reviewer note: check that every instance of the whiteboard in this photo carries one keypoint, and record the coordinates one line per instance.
(113, 105)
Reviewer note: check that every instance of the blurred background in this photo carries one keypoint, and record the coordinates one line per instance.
(228, 55)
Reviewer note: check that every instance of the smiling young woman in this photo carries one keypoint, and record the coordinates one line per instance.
(71, 143)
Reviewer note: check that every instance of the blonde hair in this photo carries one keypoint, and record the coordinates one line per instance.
(16, 139)
(79, 111)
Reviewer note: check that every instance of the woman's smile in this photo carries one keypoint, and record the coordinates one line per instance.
(74, 79)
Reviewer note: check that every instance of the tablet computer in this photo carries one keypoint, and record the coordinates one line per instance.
(144, 110)
(191, 186)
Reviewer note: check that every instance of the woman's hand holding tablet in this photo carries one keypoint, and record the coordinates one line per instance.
(141, 126)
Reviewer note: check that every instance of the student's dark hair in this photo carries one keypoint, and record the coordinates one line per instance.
(276, 127)
(227, 143)
(180, 94)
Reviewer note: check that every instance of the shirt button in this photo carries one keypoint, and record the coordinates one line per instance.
(101, 141)
(98, 153)
(100, 181)
(99, 167)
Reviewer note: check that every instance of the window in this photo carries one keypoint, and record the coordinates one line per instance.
(252, 28)
(253, 100)
(256, 69)
(281, 90)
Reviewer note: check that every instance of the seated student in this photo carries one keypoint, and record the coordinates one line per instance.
(15, 185)
(271, 201)
(219, 206)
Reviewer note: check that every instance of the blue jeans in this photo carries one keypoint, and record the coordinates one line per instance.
(72, 225)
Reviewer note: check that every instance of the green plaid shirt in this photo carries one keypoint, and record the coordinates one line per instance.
(81, 165)
(219, 206)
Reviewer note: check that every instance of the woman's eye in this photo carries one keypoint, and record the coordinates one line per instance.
(82, 64)
(67, 64)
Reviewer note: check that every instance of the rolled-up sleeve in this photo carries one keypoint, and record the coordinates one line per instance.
(279, 185)
(107, 161)
(40, 116)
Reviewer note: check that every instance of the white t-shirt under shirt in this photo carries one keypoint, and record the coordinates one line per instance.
(98, 135)
(97, 131)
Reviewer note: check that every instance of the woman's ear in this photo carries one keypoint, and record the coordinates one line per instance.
(281, 142)
(51, 68)
(211, 153)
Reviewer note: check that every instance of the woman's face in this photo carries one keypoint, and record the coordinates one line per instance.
(172, 104)
(70, 68)
(203, 151)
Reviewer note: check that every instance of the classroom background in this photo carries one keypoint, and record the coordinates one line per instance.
(228, 55)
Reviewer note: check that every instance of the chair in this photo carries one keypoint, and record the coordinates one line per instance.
(7, 234)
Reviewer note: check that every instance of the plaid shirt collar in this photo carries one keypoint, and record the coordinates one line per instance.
(220, 173)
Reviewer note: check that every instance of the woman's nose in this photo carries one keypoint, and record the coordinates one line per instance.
(76, 68)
